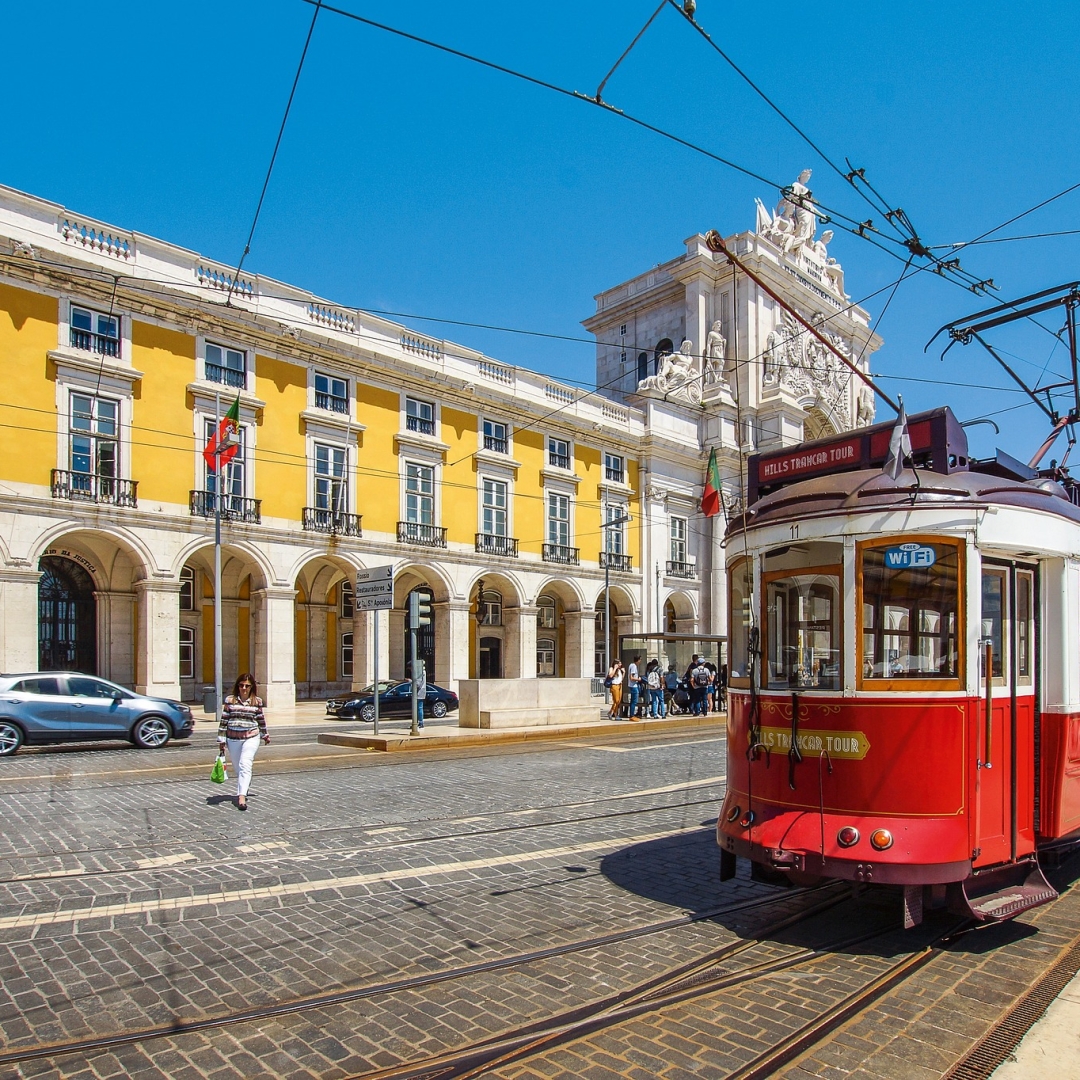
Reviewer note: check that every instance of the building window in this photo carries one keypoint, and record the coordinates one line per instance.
(95, 436)
(345, 595)
(559, 453)
(331, 393)
(678, 540)
(419, 416)
(622, 330)
(545, 613)
(614, 538)
(494, 509)
(670, 625)
(233, 474)
(642, 366)
(558, 519)
(613, 469)
(545, 656)
(226, 366)
(187, 589)
(346, 665)
(492, 608)
(495, 437)
(419, 494)
(187, 653)
(331, 480)
(95, 332)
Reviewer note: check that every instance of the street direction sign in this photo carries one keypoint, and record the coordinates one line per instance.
(374, 588)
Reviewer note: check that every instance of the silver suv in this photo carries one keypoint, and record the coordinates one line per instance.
(65, 706)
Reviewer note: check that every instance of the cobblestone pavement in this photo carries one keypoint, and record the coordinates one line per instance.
(134, 897)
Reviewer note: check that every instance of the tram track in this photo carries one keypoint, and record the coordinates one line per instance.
(279, 856)
(822, 898)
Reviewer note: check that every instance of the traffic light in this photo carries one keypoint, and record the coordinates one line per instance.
(419, 610)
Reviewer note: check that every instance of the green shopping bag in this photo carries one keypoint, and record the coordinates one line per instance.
(217, 773)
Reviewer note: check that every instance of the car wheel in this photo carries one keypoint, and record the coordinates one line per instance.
(151, 733)
(11, 737)
(367, 713)
(439, 708)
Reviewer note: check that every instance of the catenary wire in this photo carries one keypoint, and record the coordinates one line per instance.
(273, 156)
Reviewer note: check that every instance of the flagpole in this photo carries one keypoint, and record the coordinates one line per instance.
(217, 555)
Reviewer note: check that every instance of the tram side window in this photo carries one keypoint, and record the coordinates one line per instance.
(910, 611)
(1025, 588)
(739, 618)
(802, 629)
(993, 613)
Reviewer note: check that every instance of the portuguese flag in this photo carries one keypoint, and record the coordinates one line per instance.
(222, 446)
(710, 497)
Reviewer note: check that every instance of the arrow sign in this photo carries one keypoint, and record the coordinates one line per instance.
(374, 588)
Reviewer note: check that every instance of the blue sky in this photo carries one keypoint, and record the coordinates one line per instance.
(412, 182)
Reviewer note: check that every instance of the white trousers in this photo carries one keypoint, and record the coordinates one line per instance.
(242, 752)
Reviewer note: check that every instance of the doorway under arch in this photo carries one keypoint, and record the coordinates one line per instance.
(67, 617)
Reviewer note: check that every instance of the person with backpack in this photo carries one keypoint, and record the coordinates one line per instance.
(697, 678)
(653, 682)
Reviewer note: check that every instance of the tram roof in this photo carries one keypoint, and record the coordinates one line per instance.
(872, 490)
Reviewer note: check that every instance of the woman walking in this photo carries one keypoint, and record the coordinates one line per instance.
(615, 674)
(242, 725)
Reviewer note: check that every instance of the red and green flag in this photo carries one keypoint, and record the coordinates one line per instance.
(710, 498)
(223, 445)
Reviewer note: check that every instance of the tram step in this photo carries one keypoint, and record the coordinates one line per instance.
(1004, 892)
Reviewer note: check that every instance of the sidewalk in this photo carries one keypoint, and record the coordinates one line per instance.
(1052, 1046)
(394, 732)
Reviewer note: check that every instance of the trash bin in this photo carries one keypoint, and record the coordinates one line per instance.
(209, 699)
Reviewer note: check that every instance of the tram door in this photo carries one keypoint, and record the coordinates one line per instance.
(1005, 739)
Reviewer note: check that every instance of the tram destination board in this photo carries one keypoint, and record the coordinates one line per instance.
(937, 440)
(374, 588)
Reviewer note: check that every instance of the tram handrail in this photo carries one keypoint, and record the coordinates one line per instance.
(821, 797)
(988, 645)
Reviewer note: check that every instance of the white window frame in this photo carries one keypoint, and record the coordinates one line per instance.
(244, 457)
(123, 329)
(187, 587)
(546, 602)
(346, 600)
(554, 521)
(333, 383)
(94, 336)
(551, 452)
(614, 463)
(491, 512)
(186, 646)
(331, 479)
(678, 532)
(614, 538)
(203, 344)
(406, 465)
(418, 404)
(96, 439)
(487, 422)
(346, 657)
(546, 646)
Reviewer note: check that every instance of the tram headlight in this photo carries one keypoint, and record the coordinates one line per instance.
(881, 839)
(847, 836)
(747, 819)
(734, 812)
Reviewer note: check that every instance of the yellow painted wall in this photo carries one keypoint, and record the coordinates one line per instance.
(589, 466)
(28, 329)
(281, 471)
(208, 643)
(530, 512)
(635, 532)
(162, 451)
(300, 633)
(377, 484)
(459, 494)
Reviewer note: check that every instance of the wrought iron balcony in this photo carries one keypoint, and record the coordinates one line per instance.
(97, 343)
(612, 561)
(493, 442)
(558, 461)
(227, 376)
(560, 553)
(331, 402)
(490, 544)
(616, 476)
(681, 569)
(87, 487)
(335, 522)
(420, 425)
(233, 507)
(412, 532)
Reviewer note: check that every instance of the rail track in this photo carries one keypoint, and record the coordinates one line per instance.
(655, 992)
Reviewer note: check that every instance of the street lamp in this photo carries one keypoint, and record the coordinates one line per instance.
(479, 621)
(610, 523)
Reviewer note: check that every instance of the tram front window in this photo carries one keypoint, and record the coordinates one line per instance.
(910, 610)
(802, 629)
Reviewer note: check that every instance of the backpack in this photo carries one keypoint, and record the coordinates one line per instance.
(700, 676)
(653, 679)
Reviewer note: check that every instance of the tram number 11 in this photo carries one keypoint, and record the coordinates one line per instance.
(795, 531)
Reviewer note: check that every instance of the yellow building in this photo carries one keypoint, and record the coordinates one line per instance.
(361, 443)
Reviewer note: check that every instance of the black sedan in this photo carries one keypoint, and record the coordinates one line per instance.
(394, 700)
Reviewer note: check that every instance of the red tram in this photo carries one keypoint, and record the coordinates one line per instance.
(904, 691)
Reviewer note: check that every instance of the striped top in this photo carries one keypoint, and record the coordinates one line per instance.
(242, 719)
